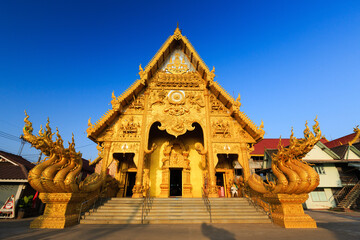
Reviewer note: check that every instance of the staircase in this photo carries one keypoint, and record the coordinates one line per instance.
(351, 197)
(176, 211)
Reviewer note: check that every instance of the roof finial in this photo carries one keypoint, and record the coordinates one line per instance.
(177, 32)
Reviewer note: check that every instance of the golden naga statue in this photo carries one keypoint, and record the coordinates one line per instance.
(294, 176)
(357, 135)
(60, 170)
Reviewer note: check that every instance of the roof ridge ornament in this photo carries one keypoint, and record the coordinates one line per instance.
(141, 72)
(177, 33)
(357, 135)
(211, 75)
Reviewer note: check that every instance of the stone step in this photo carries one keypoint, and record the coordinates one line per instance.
(175, 210)
(175, 220)
(175, 217)
(160, 214)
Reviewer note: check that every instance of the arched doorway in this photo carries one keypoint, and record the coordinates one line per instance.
(174, 167)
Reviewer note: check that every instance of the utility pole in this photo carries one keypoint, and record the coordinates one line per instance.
(21, 145)
(39, 158)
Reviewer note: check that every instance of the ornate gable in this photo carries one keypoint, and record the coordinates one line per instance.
(174, 68)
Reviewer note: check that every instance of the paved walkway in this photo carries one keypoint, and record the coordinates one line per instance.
(331, 226)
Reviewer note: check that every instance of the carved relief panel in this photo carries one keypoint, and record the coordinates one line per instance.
(221, 128)
(175, 156)
(125, 147)
(124, 127)
(137, 105)
(217, 107)
(177, 110)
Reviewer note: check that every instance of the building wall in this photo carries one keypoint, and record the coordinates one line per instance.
(321, 198)
(330, 177)
(317, 153)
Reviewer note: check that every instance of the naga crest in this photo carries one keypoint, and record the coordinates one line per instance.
(60, 171)
(293, 175)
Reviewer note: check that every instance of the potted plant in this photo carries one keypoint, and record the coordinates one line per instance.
(24, 205)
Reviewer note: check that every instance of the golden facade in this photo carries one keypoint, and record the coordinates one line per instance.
(174, 132)
(174, 129)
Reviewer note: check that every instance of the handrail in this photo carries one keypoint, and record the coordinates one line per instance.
(346, 202)
(265, 207)
(146, 205)
(93, 208)
(207, 202)
(341, 194)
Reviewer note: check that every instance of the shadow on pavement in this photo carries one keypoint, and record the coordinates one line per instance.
(214, 233)
(76, 232)
(342, 230)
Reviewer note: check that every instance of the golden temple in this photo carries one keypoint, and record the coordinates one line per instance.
(174, 132)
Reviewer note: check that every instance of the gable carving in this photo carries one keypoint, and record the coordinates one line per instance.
(217, 107)
(137, 103)
(221, 128)
(186, 80)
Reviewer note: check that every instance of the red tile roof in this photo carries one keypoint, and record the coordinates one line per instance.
(268, 143)
(272, 143)
(340, 141)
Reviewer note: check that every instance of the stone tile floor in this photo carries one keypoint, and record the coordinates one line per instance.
(331, 226)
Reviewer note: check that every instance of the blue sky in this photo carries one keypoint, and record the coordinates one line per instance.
(289, 60)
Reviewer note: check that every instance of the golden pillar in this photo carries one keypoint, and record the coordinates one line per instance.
(105, 162)
(207, 136)
(138, 188)
(244, 160)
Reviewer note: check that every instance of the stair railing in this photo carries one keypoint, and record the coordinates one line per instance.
(98, 201)
(342, 193)
(351, 196)
(207, 202)
(258, 203)
(146, 205)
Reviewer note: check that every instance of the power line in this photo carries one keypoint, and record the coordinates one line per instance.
(9, 136)
(85, 145)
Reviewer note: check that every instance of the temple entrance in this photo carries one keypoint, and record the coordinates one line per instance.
(129, 184)
(170, 173)
(220, 183)
(175, 182)
(225, 173)
(124, 168)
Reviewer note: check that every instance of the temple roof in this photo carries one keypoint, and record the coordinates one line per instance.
(149, 71)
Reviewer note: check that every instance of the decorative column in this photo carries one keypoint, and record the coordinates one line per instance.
(244, 160)
(187, 187)
(164, 186)
(207, 136)
(138, 188)
(106, 157)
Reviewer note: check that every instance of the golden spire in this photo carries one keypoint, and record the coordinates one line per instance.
(177, 32)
